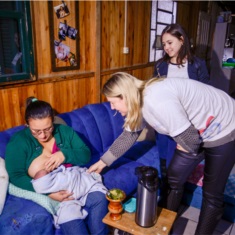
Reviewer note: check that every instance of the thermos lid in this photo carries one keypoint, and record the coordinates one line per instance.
(147, 176)
(147, 173)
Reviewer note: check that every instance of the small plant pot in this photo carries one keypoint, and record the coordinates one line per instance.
(115, 206)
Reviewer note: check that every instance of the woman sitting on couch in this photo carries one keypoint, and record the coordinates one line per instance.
(44, 145)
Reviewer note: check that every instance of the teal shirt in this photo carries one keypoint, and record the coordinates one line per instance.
(23, 148)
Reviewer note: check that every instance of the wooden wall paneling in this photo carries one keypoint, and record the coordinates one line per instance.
(10, 108)
(3, 115)
(72, 94)
(143, 73)
(137, 33)
(193, 23)
(125, 34)
(68, 90)
(116, 32)
(64, 96)
(82, 34)
(41, 36)
(105, 32)
(187, 16)
(24, 92)
(112, 33)
(6, 119)
(89, 36)
(91, 91)
(104, 79)
(183, 14)
(97, 48)
(141, 31)
(46, 92)
(14, 107)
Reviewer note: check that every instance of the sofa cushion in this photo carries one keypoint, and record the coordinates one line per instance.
(4, 181)
(21, 216)
(96, 125)
(5, 137)
(123, 176)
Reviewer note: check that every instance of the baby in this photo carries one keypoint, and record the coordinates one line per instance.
(73, 179)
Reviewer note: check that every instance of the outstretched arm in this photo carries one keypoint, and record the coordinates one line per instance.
(116, 150)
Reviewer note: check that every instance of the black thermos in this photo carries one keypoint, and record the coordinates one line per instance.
(147, 192)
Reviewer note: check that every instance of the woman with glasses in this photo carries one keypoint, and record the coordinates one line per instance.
(44, 145)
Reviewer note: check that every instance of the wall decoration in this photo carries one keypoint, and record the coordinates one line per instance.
(61, 10)
(64, 35)
(62, 51)
(62, 31)
(72, 32)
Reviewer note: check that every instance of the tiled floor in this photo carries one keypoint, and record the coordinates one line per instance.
(186, 223)
(188, 219)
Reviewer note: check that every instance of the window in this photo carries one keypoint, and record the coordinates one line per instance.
(163, 14)
(16, 52)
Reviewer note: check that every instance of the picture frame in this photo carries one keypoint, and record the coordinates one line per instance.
(61, 38)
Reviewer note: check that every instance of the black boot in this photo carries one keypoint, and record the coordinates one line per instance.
(174, 199)
(208, 219)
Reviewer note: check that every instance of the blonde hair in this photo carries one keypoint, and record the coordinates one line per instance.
(125, 86)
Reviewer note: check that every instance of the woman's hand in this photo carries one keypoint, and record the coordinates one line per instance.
(97, 167)
(179, 147)
(61, 196)
(54, 161)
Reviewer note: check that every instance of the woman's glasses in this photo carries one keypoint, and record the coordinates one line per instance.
(44, 131)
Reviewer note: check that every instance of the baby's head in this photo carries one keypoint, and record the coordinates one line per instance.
(40, 174)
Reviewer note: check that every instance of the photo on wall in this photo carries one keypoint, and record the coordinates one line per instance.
(62, 51)
(62, 31)
(71, 32)
(61, 11)
(64, 35)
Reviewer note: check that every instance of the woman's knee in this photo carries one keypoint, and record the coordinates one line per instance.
(96, 199)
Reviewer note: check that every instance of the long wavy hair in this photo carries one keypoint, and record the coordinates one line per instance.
(125, 86)
(185, 51)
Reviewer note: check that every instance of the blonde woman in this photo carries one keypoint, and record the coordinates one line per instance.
(197, 116)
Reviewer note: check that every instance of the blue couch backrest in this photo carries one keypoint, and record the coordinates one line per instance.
(96, 125)
(5, 137)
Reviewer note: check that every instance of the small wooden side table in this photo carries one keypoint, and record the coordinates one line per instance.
(127, 223)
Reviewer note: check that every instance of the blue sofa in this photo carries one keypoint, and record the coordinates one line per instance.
(98, 127)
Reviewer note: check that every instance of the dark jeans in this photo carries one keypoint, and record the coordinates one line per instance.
(219, 161)
(97, 208)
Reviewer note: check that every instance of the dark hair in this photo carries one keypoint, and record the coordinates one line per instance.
(178, 31)
(37, 109)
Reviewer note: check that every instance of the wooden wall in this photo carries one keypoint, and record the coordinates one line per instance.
(101, 31)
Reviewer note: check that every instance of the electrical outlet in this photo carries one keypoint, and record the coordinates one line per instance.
(125, 50)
